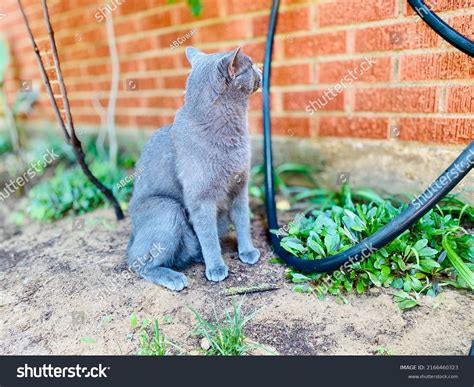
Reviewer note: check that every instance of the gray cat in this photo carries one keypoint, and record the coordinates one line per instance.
(194, 175)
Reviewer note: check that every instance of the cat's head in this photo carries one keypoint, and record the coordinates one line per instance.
(230, 73)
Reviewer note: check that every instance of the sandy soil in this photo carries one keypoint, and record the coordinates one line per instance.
(65, 283)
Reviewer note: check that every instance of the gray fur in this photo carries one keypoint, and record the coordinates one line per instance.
(194, 178)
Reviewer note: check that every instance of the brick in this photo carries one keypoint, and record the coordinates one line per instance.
(131, 7)
(129, 102)
(98, 69)
(90, 118)
(210, 9)
(255, 51)
(175, 82)
(183, 37)
(233, 30)
(441, 5)
(288, 21)
(134, 85)
(255, 124)
(72, 72)
(313, 100)
(292, 2)
(153, 121)
(398, 99)
(297, 74)
(440, 66)
(126, 27)
(464, 25)
(124, 120)
(437, 130)
(316, 44)
(352, 72)
(137, 45)
(152, 22)
(256, 102)
(164, 102)
(242, 6)
(129, 66)
(291, 126)
(460, 99)
(396, 37)
(160, 63)
(336, 12)
(362, 127)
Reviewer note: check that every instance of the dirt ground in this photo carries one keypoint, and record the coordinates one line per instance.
(65, 289)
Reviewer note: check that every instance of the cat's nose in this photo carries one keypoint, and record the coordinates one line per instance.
(259, 76)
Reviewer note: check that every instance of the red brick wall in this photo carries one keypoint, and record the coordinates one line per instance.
(419, 87)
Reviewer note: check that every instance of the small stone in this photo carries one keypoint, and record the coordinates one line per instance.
(374, 291)
(205, 344)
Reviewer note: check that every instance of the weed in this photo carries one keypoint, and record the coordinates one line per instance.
(414, 262)
(5, 144)
(382, 351)
(70, 192)
(225, 336)
(195, 6)
(151, 340)
(290, 180)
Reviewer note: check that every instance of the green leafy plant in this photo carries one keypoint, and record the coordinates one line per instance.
(414, 263)
(226, 336)
(151, 340)
(194, 5)
(69, 192)
(291, 181)
(5, 144)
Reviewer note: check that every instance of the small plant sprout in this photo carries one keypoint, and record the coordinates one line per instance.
(225, 336)
(151, 340)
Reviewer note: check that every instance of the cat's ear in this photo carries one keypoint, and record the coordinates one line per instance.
(231, 61)
(191, 53)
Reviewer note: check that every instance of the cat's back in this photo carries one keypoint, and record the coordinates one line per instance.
(156, 168)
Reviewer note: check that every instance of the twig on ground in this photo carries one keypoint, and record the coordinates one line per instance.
(233, 291)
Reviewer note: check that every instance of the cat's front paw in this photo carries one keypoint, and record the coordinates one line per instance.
(217, 273)
(251, 257)
(176, 283)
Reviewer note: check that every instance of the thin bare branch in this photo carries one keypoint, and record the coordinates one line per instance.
(44, 75)
(71, 137)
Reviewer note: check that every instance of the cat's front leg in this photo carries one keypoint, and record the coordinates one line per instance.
(239, 213)
(203, 216)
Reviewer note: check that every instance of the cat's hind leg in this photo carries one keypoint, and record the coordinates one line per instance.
(156, 242)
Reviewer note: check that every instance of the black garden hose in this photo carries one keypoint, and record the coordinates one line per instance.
(425, 202)
(441, 28)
